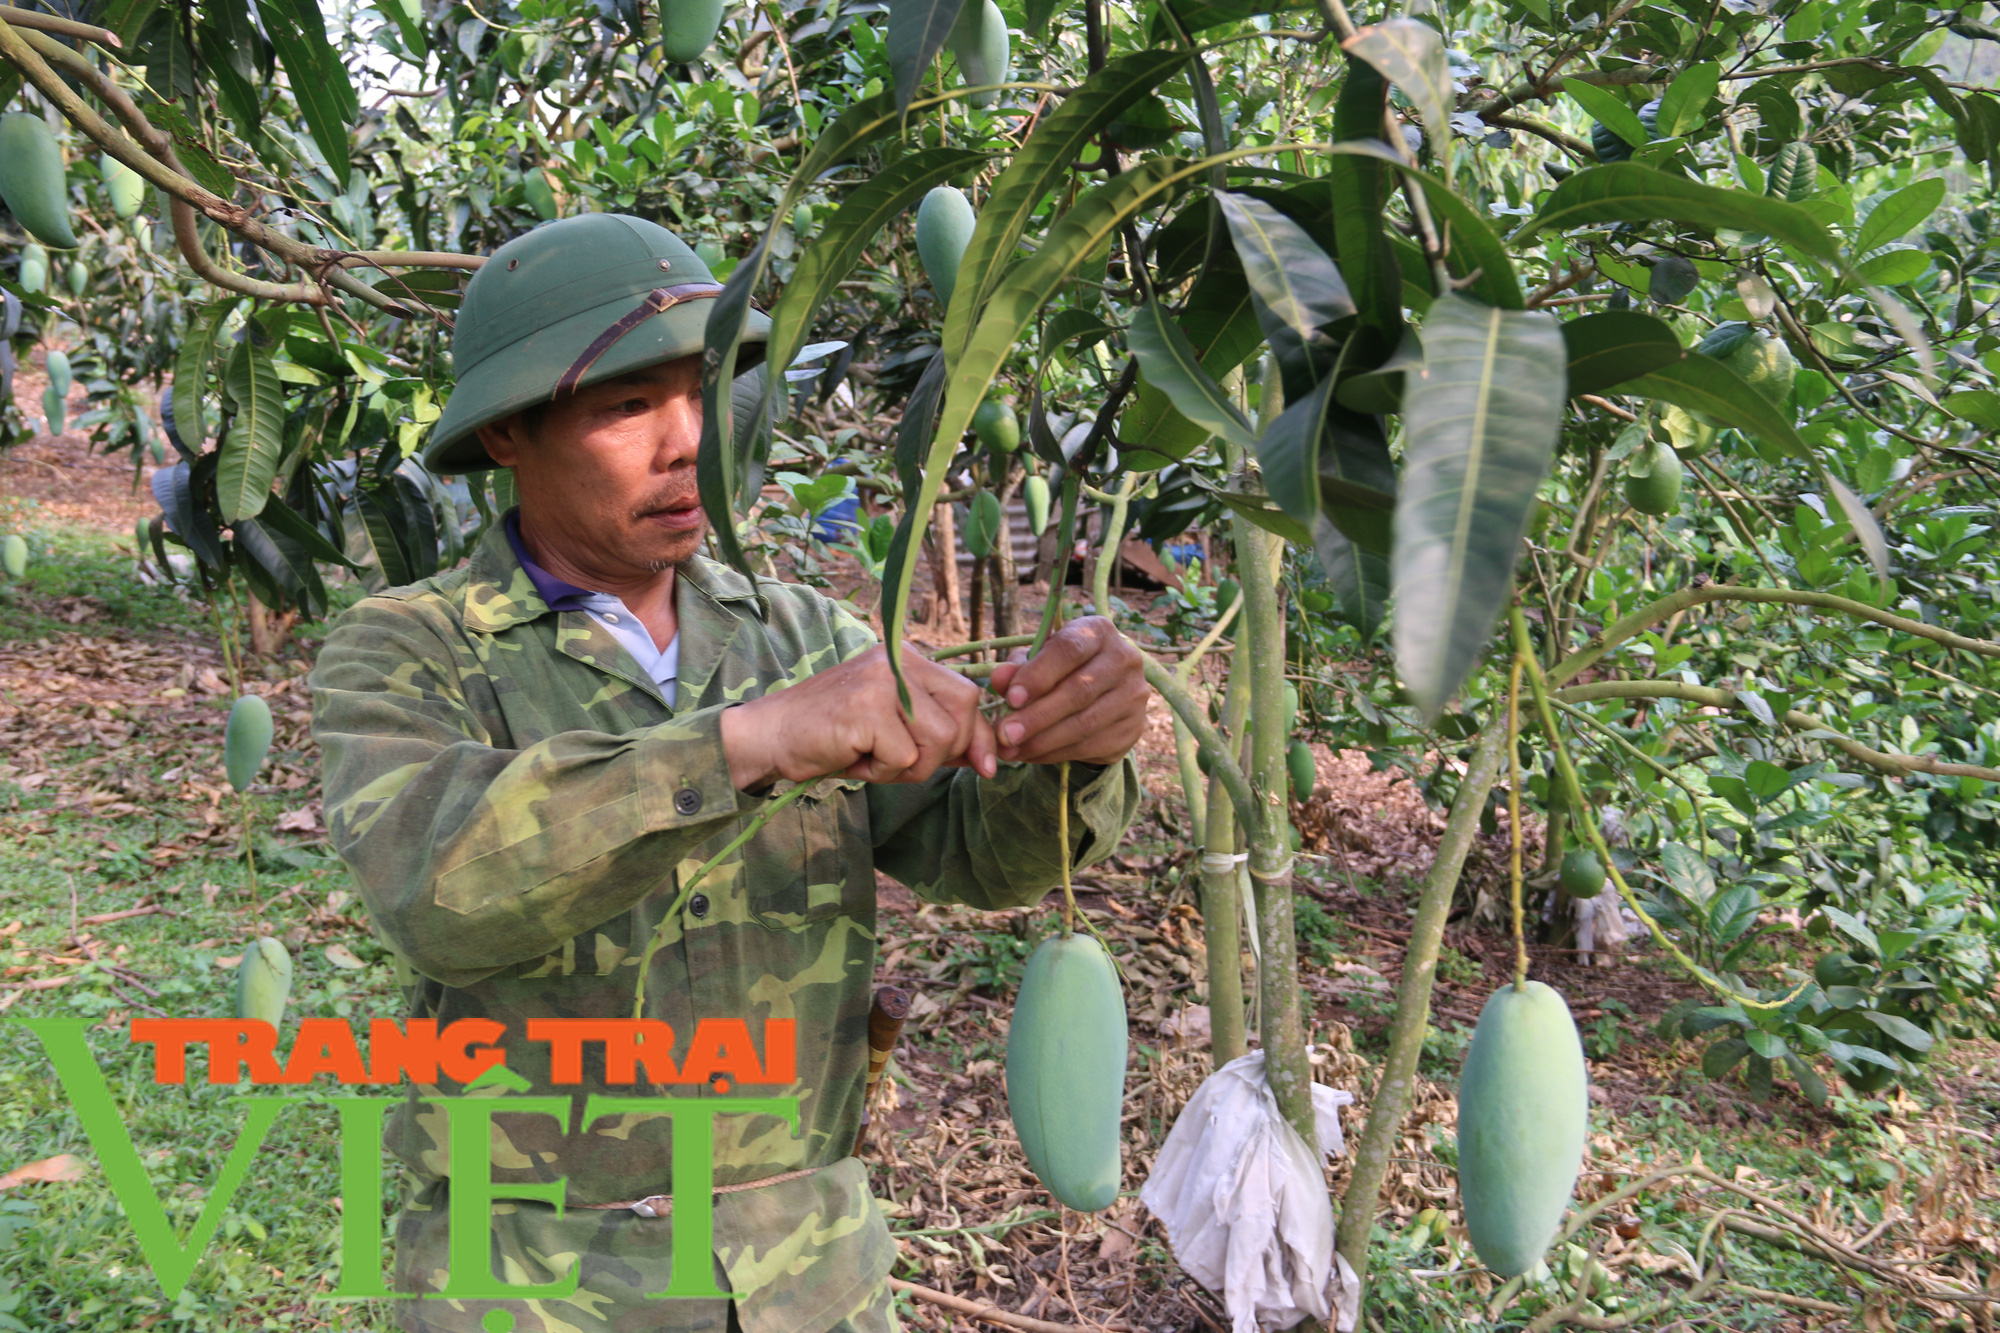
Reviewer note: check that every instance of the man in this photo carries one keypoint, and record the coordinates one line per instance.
(524, 758)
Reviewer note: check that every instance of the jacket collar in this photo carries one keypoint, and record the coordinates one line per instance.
(499, 594)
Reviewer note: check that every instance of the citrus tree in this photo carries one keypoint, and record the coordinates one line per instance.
(1642, 349)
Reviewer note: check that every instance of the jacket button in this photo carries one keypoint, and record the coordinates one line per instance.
(687, 800)
(698, 905)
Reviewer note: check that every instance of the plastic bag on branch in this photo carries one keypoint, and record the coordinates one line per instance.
(1245, 1204)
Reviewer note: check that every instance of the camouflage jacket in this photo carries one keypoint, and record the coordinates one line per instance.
(518, 804)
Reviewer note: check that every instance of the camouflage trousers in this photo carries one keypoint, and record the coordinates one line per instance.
(612, 1279)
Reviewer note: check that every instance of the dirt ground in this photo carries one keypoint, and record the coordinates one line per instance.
(977, 1223)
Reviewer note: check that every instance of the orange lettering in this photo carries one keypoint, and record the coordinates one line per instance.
(721, 1054)
(325, 1046)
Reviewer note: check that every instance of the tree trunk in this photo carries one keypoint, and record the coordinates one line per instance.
(1221, 905)
(268, 630)
(1006, 577)
(1281, 1024)
(947, 612)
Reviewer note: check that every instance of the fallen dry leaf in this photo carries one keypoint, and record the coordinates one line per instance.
(50, 1170)
(302, 820)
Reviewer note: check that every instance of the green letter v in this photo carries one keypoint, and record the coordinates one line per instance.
(69, 1051)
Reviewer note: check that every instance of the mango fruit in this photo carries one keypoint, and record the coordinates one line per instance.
(78, 277)
(1304, 772)
(1066, 1051)
(34, 273)
(246, 739)
(1582, 873)
(997, 427)
(263, 981)
(60, 378)
(126, 187)
(1035, 494)
(14, 555)
(52, 408)
(944, 228)
(1523, 1108)
(32, 181)
(983, 522)
(980, 42)
(687, 27)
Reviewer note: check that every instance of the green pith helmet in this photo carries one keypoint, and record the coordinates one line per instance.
(566, 305)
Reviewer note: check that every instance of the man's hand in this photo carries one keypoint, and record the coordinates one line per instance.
(850, 720)
(1082, 698)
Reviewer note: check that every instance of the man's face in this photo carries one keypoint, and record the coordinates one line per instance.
(606, 476)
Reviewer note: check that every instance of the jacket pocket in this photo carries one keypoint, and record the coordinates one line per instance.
(806, 866)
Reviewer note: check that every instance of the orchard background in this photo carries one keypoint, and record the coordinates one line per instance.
(1373, 361)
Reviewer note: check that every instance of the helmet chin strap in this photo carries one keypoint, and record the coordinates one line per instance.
(657, 301)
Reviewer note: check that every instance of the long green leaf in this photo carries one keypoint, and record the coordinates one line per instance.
(1614, 346)
(839, 246)
(1024, 187)
(1480, 425)
(1221, 325)
(281, 518)
(1702, 384)
(191, 373)
(379, 527)
(1610, 109)
(1629, 192)
(1298, 288)
(917, 29)
(1472, 248)
(1684, 105)
(318, 80)
(1410, 54)
(1899, 214)
(1169, 361)
(1360, 577)
(256, 439)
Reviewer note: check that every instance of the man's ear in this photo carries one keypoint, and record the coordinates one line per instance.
(503, 439)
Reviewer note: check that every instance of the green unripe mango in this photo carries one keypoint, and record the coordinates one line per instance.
(1291, 707)
(126, 187)
(142, 538)
(541, 195)
(1066, 1051)
(1035, 494)
(79, 277)
(263, 981)
(246, 740)
(1315, 601)
(1523, 1108)
(1658, 491)
(32, 181)
(157, 450)
(59, 373)
(802, 219)
(14, 555)
(52, 408)
(980, 41)
(1299, 759)
(34, 269)
(1582, 873)
(944, 228)
(687, 27)
(982, 524)
(997, 427)
(1225, 596)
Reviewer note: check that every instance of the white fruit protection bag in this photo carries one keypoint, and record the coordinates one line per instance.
(1245, 1205)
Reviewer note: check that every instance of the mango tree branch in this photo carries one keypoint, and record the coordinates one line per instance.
(149, 152)
(1654, 612)
(1395, 1087)
(1895, 765)
(28, 18)
(1221, 760)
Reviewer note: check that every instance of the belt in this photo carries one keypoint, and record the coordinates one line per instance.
(659, 1205)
